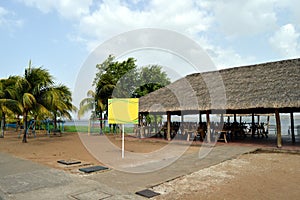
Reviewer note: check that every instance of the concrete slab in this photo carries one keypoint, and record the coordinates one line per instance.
(69, 162)
(93, 169)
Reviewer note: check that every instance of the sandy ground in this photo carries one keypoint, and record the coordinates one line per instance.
(48, 150)
(251, 176)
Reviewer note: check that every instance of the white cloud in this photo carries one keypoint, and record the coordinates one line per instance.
(3, 12)
(227, 57)
(66, 8)
(286, 41)
(97, 21)
(293, 10)
(242, 18)
(8, 19)
(114, 17)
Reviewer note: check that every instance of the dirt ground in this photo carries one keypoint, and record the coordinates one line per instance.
(251, 176)
(48, 150)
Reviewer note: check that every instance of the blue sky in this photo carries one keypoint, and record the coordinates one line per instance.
(60, 34)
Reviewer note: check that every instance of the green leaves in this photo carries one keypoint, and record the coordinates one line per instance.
(28, 101)
(35, 94)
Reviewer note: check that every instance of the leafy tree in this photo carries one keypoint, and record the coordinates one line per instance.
(34, 95)
(107, 77)
(31, 88)
(38, 96)
(58, 100)
(124, 79)
(109, 73)
(7, 104)
(90, 103)
(87, 104)
(150, 78)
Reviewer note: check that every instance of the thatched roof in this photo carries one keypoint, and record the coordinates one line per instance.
(260, 88)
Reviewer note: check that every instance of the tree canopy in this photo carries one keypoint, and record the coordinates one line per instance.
(34, 95)
(123, 79)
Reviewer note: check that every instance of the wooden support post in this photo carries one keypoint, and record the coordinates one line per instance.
(89, 127)
(181, 126)
(241, 119)
(208, 127)
(221, 125)
(140, 119)
(253, 125)
(228, 119)
(200, 117)
(292, 128)
(278, 127)
(234, 118)
(258, 126)
(155, 123)
(168, 126)
(222, 119)
(268, 122)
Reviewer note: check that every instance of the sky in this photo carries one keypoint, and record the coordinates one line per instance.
(59, 35)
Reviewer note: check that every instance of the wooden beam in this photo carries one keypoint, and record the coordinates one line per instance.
(200, 117)
(268, 122)
(140, 119)
(208, 127)
(234, 117)
(168, 126)
(155, 123)
(278, 127)
(222, 119)
(292, 128)
(253, 125)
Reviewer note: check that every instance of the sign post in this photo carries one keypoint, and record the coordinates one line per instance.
(123, 111)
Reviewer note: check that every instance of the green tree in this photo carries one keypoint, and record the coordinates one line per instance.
(124, 79)
(107, 77)
(31, 89)
(38, 96)
(110, 72)
(58, 101)
(150, 78)
(90, 103)
(7, 104)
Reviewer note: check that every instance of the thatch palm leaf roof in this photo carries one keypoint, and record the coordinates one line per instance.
(261, 87)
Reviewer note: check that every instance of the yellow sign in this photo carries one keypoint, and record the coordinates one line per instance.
(123, 111)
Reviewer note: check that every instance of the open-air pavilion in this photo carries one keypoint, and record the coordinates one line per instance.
(268, 88)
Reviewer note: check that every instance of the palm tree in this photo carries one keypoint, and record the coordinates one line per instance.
(59, 102)
(91, 103)
(30, 88)
(7, 103)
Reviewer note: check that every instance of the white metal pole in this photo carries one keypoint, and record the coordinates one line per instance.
(123, 141)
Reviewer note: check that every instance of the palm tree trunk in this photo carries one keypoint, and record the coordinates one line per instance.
(101, 121)
(24, 140)
(54, 121)
(18, 124)
(2, 125)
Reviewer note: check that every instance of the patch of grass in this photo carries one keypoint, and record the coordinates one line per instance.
(84, 129)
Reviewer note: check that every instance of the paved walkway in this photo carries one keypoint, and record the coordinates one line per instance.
(23, 179)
